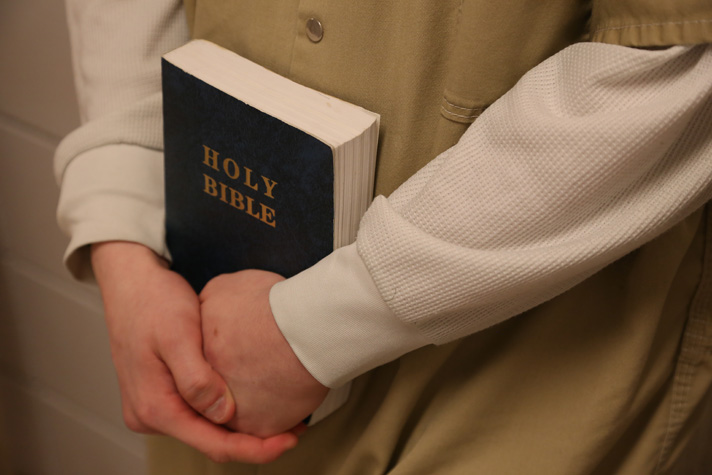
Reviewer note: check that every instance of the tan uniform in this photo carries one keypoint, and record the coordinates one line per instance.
(610, 376)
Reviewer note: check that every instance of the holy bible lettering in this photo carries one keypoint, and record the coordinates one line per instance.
(239, 176)
(260, 171)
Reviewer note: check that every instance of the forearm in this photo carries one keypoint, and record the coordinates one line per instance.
(110, 169)
(112, 193)
(593, 153)
(116, 47)
(120, 257)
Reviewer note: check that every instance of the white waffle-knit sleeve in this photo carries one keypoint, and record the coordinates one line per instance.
(593, 153)
(110, 169)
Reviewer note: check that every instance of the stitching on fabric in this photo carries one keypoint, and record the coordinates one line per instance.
(472, 116)
(474, 109)
(681, 389)
(652, 24)
(694, 341)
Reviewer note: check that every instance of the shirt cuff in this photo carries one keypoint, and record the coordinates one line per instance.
(336, 321)
(111, 193)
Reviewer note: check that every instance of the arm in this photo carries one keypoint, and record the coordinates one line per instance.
(273, 390)
(153, 317)
(595, 152)
(112, 203)
(110, 169)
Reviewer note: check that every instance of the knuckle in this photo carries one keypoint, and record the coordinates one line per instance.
(133, 423)
(146, 416)
(197, 388)
(212, 284)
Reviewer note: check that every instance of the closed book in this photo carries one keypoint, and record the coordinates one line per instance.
(260, 171)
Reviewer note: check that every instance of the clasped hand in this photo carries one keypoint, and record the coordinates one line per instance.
(273, 391)
(214, 370)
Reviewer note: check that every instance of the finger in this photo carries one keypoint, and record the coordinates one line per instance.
(200, 385)
(221, 444)
(170, 415)
(196, 381)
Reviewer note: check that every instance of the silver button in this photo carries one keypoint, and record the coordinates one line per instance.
(315, 31)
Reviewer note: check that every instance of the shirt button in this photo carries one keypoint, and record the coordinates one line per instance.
(315, 31)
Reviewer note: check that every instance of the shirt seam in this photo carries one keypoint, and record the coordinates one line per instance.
(695, 343)
(470, 116)
(643, 25)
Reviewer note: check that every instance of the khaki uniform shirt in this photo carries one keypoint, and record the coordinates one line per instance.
(610, 376)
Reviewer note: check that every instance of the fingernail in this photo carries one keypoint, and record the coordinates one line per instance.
(216, 412)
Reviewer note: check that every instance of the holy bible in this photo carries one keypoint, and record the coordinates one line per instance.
(260, 171)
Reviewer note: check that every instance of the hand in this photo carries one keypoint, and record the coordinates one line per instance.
(272, 389)
(156, 342)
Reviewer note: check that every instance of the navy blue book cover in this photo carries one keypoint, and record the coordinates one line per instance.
(243, 189)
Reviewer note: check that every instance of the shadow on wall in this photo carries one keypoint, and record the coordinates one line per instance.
(8, 400)
(4, 443)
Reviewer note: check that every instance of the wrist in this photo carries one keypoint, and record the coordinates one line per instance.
(336, 321)
(111, 193)
(115, 258)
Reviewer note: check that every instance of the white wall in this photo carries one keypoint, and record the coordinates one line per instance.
(59, 401)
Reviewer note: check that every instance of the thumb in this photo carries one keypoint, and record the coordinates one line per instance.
(201, 386)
